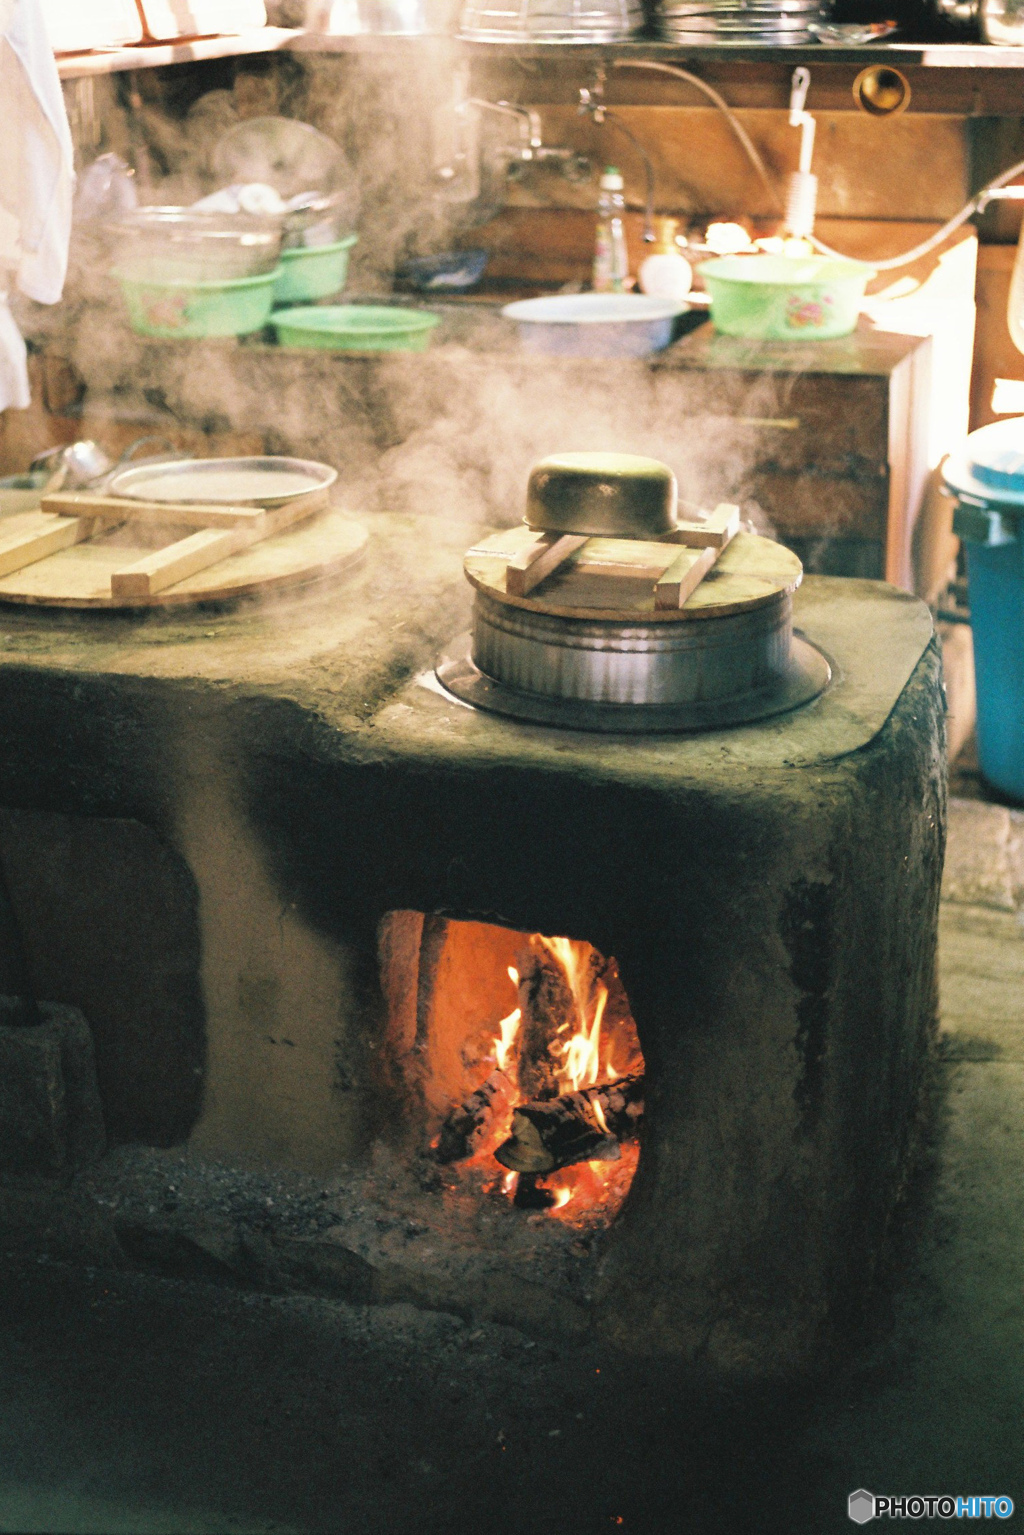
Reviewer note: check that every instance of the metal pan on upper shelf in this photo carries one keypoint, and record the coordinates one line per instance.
(752, 14)
(267, 481)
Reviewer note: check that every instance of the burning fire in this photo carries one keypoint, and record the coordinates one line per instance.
(508, 1028)
(581, 1052)
(580, 1056)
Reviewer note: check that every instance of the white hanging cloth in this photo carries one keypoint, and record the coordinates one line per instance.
(36, 181)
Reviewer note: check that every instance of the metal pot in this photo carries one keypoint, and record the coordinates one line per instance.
(589, 645)
(634, 675)
(1002, 22)
(620, 495)
(601, 661)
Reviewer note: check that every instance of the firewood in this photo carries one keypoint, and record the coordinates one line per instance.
(586, 1126)
(469, 1123)
(549, 1013)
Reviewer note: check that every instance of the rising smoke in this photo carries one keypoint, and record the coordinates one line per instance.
(452, 432)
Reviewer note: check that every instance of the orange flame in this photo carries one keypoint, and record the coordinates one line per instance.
(581, 1053)
(581, 1060)
(508, 1028)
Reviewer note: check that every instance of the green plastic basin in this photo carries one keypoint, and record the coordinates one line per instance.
(785, 298)
(356, 327)
(168, 308)
(312, 272)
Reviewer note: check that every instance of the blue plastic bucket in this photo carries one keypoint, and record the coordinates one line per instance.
(987, 479)
(995, 577)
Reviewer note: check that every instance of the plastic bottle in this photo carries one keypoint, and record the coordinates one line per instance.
(611, 262)
(666, 273)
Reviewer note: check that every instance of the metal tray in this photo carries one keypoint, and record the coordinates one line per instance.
(226, 481)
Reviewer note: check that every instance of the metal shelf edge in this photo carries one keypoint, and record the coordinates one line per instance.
(970, 56)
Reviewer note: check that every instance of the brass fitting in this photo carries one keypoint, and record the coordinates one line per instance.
(881, 91)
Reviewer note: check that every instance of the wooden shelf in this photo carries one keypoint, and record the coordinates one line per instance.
(960, 56)
(110, 61)
(902, 55)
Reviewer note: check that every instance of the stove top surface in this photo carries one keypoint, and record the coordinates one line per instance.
(871, 634)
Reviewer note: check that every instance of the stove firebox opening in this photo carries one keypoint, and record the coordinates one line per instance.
(518, 1057)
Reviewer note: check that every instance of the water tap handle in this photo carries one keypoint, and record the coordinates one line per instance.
(800, 118)
(798, 88)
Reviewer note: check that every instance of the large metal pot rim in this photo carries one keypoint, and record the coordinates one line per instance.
(618, 634)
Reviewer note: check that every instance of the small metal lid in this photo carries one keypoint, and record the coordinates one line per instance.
(989, 468)
(614, 495)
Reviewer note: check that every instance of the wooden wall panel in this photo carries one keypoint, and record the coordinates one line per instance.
(995, 355)
(956, 92)
(866, 169)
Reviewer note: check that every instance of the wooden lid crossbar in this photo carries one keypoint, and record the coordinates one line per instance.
(676, 572)
(70, 518)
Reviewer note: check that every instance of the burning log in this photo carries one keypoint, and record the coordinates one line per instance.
(469, 1124)
(549, 1011)
(586, 1126)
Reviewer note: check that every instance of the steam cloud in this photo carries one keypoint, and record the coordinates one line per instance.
(451, 432)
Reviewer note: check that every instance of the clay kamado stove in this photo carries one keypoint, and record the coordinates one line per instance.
(616, 1029)
(667, 979)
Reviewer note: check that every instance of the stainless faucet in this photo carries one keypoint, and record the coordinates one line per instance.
(529, 122)
(531, 149)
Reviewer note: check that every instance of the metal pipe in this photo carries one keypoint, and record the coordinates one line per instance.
(743, 137)
(591, 101)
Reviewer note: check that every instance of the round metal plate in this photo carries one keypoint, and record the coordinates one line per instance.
(785, 26)
(810, 674)
(757, 13)
(739, 40)
(270, 481)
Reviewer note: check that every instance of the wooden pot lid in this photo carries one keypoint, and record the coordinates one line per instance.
(614, 578)
(80, 576)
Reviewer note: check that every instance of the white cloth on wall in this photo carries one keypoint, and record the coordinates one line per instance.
(14, 390)
(36, 182)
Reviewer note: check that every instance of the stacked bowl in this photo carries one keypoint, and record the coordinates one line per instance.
(551, 21)
(778, 22)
